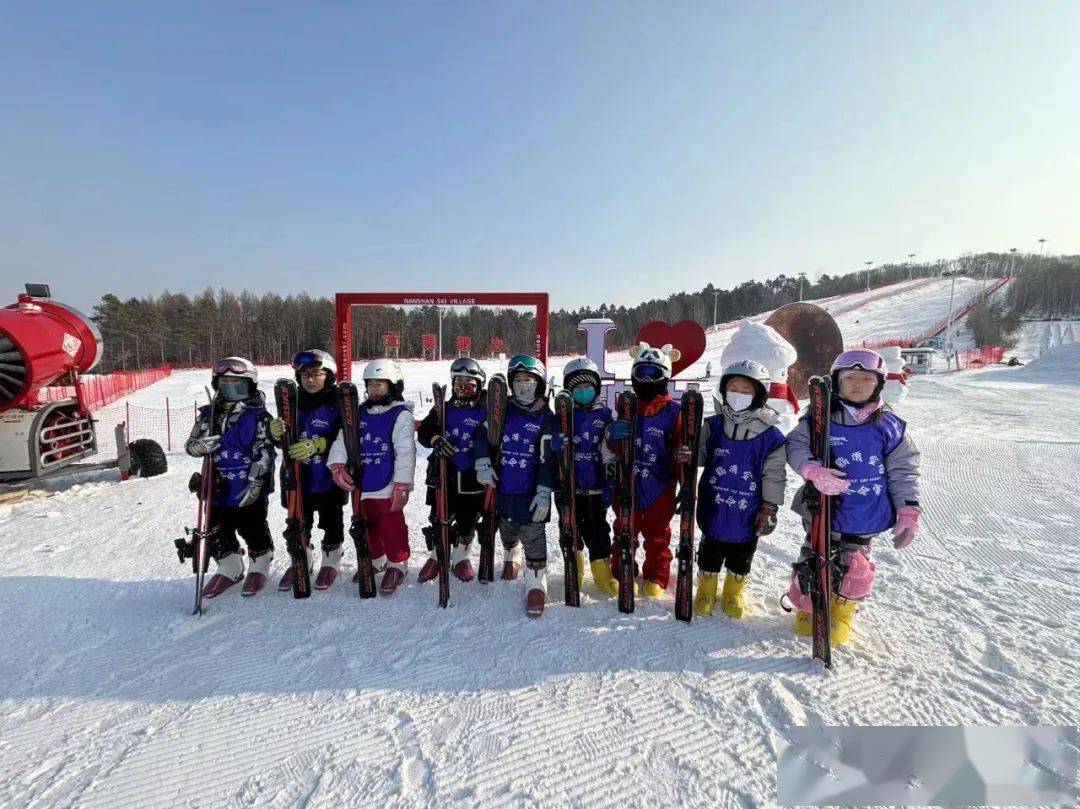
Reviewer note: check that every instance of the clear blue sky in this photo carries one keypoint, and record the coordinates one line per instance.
(601, 151)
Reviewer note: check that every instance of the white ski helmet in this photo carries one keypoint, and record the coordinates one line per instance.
(315, 358)
(234, 366)
(385, 369)
(578, 370)
(757, 373)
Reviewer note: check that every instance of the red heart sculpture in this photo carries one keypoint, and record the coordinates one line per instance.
(686, 335)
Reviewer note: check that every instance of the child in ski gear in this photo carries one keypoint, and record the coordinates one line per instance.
(389, 460)
(742, 461)
(581, 378)
(525, 477)
(317, 426)
(235, 430)
(655, 460)
(465, 416)
(874, 475)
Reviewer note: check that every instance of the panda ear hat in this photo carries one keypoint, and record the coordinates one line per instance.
(673, 353)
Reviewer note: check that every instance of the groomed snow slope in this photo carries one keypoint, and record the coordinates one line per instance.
(113, 695)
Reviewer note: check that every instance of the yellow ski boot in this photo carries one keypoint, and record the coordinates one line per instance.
(733, 598)
(652, 589)
(804, 623)
(841, 616)
(601, 573)
(580, 556)
(705, 593)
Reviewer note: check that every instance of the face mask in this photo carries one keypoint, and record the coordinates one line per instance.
(738, 401)
(525, 390)
(583, 396)
(233, 391)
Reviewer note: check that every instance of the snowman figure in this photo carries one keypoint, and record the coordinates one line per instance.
(763, 344)
(896, 389)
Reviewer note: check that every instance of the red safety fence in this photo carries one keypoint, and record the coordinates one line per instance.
(97, 391)
(979, 357)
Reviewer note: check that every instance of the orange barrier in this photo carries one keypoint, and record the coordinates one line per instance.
(94, 392)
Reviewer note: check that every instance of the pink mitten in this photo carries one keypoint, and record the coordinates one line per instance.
(342, 477)
(827, 481)
(907, 526)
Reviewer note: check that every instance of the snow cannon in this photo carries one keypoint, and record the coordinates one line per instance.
(42, 341)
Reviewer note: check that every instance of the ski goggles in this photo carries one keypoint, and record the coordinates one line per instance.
(860, 359)
(305, 359)
(230, 366)
(652, 373)
(523, 362)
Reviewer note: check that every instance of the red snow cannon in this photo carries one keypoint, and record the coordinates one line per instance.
(42, 341)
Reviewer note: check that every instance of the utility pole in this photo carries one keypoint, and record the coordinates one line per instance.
(1012, 262)
(869, 264)
(911, 266)
(1042, 242)
(948, 321)
(439, 310)
(802, 278)
(715, 296)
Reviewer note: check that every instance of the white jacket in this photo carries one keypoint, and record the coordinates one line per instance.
(404, 450)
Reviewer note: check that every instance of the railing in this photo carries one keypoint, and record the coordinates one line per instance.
(94, 392)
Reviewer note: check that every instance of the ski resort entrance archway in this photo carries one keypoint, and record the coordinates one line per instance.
(344, 301)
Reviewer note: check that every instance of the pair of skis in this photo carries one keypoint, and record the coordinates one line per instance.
(349, 413)
(296, 534)
(569, 539)
(442, 512)
(198, 549)
(497, 395)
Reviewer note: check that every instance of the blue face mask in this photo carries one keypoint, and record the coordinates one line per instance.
(583, 396)
(233, 391)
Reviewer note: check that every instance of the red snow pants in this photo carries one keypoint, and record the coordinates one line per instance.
(386, 530)
(653, 524)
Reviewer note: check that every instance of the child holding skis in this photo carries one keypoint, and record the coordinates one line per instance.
(743, 476)
(388, 452)
(874, 478)
(592, 499)
(317, 426)
(524, 479)
(456, 441)
(655, 461)
(235, 430)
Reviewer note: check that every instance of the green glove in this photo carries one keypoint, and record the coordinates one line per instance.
(307, 448)
(277, 429)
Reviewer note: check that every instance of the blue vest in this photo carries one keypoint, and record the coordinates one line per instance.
(322, 422)
(589, 430)
(652, 460)
(462, 424)
(520, 450)
(859, 452)
(232, 460)
(729, 492)
(377, 446)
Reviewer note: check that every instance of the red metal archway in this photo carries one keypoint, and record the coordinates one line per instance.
(344, 301)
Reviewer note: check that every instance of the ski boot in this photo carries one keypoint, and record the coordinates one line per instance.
(377, 565)
(429, 571)
(230, 570)
(328, 573)
(705, 593)
(393, 577)
(535, 588)
(841, 616)
(459, 561)
(653, 589)
(804, 623)
(733, 599)
(286, 581)
(580, 557)
(258, 571)
(512, 562)
(601, 573)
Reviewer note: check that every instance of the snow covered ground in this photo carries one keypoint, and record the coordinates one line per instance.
(113, 695)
